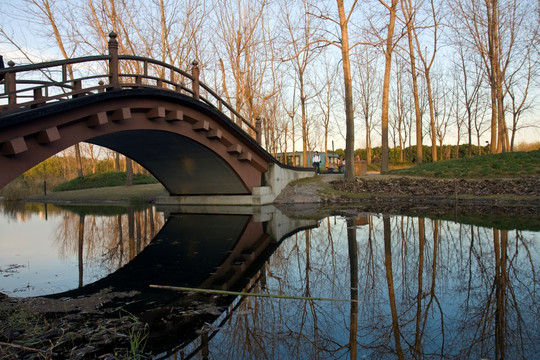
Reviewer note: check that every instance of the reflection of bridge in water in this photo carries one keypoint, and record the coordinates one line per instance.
(195, 249)
(154, 113)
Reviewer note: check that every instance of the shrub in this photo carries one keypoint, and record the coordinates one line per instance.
(104, 180)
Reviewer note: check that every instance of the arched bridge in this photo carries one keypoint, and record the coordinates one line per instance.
(154, 113)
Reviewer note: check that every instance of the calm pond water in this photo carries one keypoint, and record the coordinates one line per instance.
(370, 286)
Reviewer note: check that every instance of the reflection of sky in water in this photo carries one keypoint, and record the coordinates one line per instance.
(30, 260)
(29, 245)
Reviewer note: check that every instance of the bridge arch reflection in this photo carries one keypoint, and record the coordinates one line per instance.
(197, 249)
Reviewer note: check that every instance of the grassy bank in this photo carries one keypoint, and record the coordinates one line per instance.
(105, 186)
(493, 166)
(132, 194)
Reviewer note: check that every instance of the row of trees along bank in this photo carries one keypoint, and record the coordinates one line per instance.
(409, 70)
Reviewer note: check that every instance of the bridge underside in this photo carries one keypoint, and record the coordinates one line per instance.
(181, 164)
(190, 147)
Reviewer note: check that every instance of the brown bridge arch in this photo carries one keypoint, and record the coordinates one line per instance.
(153, 112)
(191, 147)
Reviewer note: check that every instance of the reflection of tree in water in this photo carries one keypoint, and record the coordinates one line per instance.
(290, 271)
(106, 242)
(25, 211)
(500, 294)
(426, 289)
(438, 315)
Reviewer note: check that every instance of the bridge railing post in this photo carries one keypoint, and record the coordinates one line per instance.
(113, 62)
(10, 86)
(258, 126)
(77, 87)
(195, 72)
(101, 83)
(38, 96)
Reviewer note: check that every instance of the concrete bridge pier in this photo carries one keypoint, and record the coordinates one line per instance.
(278, 225)
(276, 178)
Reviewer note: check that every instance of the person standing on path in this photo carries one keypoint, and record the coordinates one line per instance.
(317, 162)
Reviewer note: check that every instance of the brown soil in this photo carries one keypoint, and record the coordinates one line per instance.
(42, 328)
(421, 187)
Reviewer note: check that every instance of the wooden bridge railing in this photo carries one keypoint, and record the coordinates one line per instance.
(70, 78)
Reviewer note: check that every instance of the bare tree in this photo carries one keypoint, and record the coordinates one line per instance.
(275, 129)
(443, 112)
(367, 81)
(325, 100)
(409, 12)
(400, 110)
(341, 41)
(388, 50)
(460, 119)
(518, 85)
(291, 113)
(242, 43)
(492, 28)
(469, 91)
(349, 110)
(181, 27)
(45, 13)
(301, 29)
(427, 65)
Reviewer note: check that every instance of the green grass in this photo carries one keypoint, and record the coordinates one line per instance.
(124, 194)
(507, 165)
(103, 180)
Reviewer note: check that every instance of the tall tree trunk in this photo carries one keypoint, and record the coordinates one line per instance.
(78, 159)
(502, 145)
(80, 254)
(293, 141)
(431, 118)
(427, 68)
(129, 172)
(390, 284)
(493, 48)
(386, 84)
(408, 12)
(368, 141)
(117, 161)
(131, 232)
(349, 110)
(304, 119)
(420, 291)
(353, 259)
